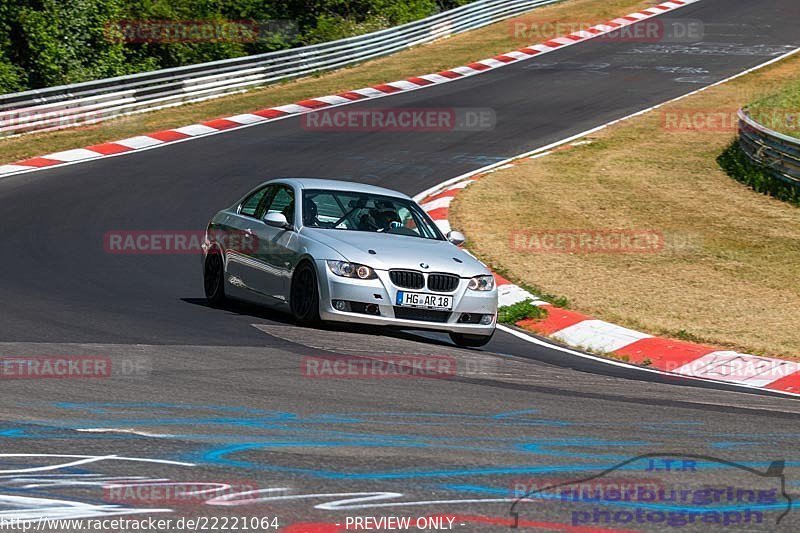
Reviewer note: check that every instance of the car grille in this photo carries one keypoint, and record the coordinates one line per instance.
(425, 315)
(408, 279)
(442, 282)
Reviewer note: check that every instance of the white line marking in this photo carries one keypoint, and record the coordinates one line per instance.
(77, 154)
(599, 335)
(435, 78)
(140, 141)
(438, 203)
(246, 118)
(14, 169)
(81, 459)
(292, 108)
(129, 431)
(195, 130)
(494, 63)
(516, 54)
(403, 85)
(369, 92)
(333, 100)
(510, 294)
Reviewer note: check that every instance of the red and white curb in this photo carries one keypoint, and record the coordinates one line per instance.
(675, 357)
(162, 138)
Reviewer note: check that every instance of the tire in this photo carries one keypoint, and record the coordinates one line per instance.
(470, 341)
(214, 278)
(304, 295)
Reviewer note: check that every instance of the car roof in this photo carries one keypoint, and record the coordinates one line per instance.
(339, 185)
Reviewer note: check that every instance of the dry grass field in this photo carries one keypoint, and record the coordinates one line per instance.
(729, 269)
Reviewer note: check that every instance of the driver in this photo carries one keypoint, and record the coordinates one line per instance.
(382, 217)
(387, 218)
(384, 214)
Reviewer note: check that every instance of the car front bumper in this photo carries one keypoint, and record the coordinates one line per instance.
(382, 293)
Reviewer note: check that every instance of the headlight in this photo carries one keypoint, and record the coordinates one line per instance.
(351, 270)
(481, 283)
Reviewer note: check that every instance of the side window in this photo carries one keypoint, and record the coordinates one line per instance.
(249, 206)
(283, 202)
(327, 207)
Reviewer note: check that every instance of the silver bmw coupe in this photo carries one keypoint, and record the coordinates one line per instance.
(327, 250)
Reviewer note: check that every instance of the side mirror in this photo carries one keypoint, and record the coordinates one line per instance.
(456, 237)
(276, 220)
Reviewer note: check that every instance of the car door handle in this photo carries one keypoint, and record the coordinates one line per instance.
(250, 241)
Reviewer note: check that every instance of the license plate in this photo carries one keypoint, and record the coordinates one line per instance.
(421, 299)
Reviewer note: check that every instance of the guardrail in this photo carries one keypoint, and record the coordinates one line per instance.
(90, 102)
(779, 154)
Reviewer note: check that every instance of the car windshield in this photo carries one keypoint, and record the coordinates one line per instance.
(356, 211)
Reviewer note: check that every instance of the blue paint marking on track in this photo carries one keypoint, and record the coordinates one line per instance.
(514, 414)
(219, 457)
(247, 431)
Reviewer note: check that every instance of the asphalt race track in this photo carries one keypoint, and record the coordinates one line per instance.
(220, 396)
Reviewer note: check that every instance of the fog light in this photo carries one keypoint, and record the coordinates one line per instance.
(487, 319)
(340, 305)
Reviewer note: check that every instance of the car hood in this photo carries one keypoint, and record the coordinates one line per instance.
(398, 251)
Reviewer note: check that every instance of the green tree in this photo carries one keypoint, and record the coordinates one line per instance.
(65, 41)
(53, 42)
